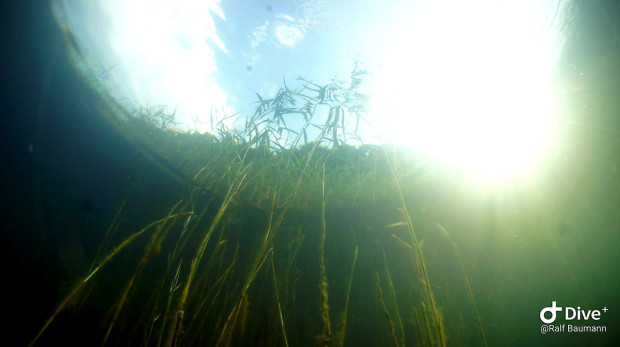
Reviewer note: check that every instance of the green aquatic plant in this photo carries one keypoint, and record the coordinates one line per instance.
(401, 340)
(417, 247)
(326, 336)
(395, 340)
(82, 283)
(343, 332)
(253, 253)
(470, 293)
(275, 285)
(234, 188)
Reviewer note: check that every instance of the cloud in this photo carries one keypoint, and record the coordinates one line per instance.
(288, 34)
(285, 29)
(259, 34)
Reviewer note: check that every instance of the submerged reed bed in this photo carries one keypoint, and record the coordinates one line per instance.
(436, 316)
(279, 231)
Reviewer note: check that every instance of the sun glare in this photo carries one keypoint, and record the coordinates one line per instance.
(468, 83)
(169, 55)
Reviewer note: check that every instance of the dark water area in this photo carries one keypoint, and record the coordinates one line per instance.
(66, 173)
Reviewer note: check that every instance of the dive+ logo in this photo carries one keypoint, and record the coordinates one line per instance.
(570, 313)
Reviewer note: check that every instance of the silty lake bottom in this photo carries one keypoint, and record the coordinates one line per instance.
(164, 238)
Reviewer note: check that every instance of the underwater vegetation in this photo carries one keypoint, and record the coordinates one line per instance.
(290, 230)
(277, 239)
(287, 229)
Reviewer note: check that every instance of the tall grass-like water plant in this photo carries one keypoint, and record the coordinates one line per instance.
(289, 230)
(218, 287)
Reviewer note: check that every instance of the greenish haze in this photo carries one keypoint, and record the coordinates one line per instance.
(297, 237)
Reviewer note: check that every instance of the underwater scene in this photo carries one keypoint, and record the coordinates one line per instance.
(303, 173)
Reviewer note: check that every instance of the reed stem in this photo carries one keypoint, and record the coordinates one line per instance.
(470, 293)
(80, 285)
(346, 302)
(418, 251)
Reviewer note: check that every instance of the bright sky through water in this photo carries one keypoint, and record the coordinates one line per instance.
(464, 81)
